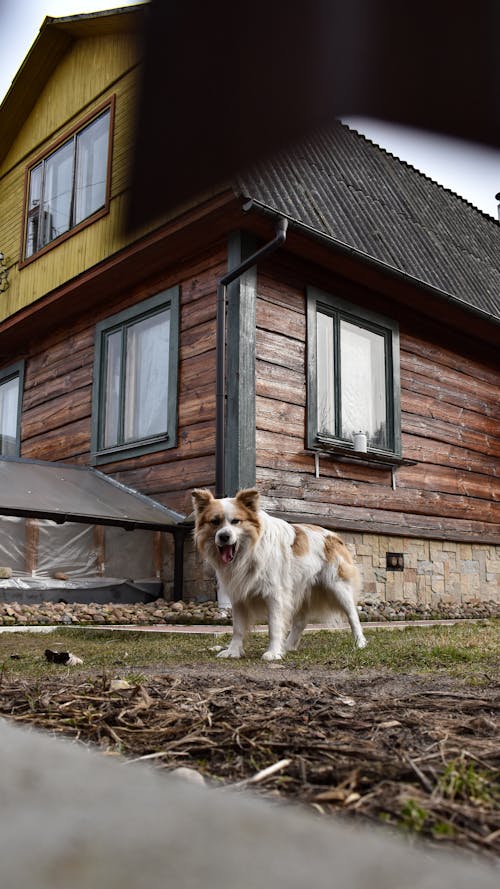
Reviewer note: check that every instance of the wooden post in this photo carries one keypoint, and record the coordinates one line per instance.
(157, 553)
(100, 547)
(32, 534)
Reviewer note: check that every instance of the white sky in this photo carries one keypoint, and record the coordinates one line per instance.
(471, 171)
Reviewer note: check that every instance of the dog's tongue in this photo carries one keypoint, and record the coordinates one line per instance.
(226, 553)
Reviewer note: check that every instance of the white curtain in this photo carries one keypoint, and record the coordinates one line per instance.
(9, 397)
(146, 377)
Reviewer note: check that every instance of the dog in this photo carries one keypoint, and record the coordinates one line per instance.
(274, 570)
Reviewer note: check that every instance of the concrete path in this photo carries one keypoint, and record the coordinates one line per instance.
(218, 629)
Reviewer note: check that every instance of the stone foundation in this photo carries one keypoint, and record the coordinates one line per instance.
(435, 571)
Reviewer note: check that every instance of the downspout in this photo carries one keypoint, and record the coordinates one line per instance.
(220, 349)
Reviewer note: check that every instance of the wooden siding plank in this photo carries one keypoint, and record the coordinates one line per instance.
(429, 428)
(345, 493)
(279, 349)
(56, 413)
(63, 443)
(71, 381)
(279, 416)
(273, 317)
(274, 381)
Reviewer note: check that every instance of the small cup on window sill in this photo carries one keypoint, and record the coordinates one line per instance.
(360, 442)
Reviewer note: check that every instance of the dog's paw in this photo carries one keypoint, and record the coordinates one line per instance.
(361, 642)
(272, 656)
(230, 652)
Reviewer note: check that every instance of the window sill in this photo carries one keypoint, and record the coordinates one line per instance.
(373, 459)
(135, 449)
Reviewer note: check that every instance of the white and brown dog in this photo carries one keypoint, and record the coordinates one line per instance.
(273, 570)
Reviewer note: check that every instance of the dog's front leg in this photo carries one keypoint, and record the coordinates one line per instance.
(276, 621)
(240, 629)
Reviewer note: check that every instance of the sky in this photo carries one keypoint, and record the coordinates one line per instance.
(470, 170)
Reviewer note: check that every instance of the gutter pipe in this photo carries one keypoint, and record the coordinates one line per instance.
(220, 404)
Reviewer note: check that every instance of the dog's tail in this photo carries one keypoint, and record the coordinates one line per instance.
(336, 551)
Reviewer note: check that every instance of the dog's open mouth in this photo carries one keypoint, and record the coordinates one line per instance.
(227, 552)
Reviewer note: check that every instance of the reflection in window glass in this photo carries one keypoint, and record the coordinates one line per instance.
(35, 192)
(91, 169)
(56, 204)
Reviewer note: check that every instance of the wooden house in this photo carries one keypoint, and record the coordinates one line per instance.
(361, 387)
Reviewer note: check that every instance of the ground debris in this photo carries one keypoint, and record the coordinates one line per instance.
(420, 759)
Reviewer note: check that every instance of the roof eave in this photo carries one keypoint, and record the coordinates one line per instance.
(366, 258)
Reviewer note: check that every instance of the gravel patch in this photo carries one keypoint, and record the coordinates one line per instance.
(160, 611)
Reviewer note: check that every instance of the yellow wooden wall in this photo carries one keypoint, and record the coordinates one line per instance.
(92, 70)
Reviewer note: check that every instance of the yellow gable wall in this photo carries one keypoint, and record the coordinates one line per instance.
(93, 69)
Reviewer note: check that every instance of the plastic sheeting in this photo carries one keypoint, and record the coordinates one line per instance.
(45, 556)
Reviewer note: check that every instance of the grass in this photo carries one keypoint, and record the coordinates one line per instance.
(468, 651)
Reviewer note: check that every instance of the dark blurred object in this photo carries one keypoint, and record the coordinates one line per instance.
(225, 84)
(62, 657)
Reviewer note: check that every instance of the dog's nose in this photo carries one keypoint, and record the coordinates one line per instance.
(223, 537)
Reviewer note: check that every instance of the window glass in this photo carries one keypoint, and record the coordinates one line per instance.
(9, 400)
(35, 192)
(91, 168)
(56, 204)
(326, 388)
(353, 375)
(363, 389)
(146, 377)
(68, 186)
(113, 357)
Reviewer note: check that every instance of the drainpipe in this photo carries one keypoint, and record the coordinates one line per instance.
(220, 404)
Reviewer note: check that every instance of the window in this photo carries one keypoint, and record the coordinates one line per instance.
(11, 387)
(135, 379)
(69, 185)
(353, 385)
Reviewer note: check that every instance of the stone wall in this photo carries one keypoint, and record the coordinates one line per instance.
(435, 571)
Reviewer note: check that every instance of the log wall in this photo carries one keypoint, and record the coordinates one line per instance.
(450, 426)
(56, 414)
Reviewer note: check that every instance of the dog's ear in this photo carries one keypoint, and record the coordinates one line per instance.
(249, 498)
(201, 498)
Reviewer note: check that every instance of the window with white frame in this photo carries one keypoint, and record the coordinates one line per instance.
(135, 379)
(11, 388)
(69, 185)
(353, 375)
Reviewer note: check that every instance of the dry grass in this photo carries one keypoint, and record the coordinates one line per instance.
(404, 733)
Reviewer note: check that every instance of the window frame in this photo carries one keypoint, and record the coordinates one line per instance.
(166, 299)
(12, 372)
(108, 105)
(341, 309)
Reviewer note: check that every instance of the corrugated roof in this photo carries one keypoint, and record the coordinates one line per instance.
(64, 492)
(342, 185)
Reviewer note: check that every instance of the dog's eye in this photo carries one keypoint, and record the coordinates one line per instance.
(215, 521)
(235, 521)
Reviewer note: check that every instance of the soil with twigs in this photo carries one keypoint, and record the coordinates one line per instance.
(420, 756)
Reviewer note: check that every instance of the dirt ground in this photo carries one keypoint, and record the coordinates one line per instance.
(420, 755)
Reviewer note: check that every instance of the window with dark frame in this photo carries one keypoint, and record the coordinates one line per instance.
(135, 379)
(11, 389)
(353, 376)
(69, 185)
